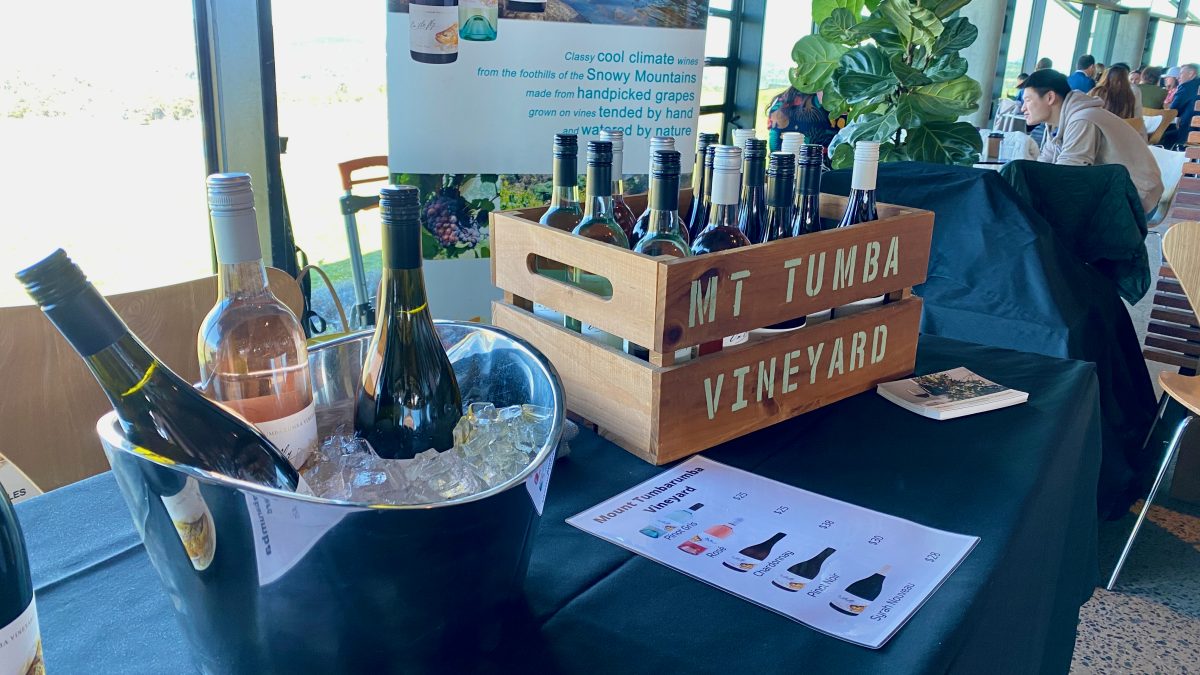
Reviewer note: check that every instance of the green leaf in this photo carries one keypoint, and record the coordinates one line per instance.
(863, 75)
(823, 9)
(842, 157)
(430, 247)
(957, 35)
(890, 41)
(944, 8)
(944, 143)
(833, 103)
(872, 127)
(947, 67)
(938, 102)
(906, 74)
(839, 27)
(872, 5)
(816, 58)
(915, 24)
(888, 152)
(867, 28)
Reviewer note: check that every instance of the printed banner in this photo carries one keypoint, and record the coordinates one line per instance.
(850, 572)
(477, 89)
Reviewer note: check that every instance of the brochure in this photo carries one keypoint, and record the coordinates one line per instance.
(949, 394)
(850, 572)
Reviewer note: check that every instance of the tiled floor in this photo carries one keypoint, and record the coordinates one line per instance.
(1151, 622)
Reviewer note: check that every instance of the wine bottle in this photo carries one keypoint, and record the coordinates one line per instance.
(807, 209)
(599, 221)
(20, 638)
(781, 182)
(860, 208)
(801, 574)
(722, 232)
(740, 136)
(712, 536)
(752, 211)
(565, 210)
(189, 513)
(409, 401)
(697, 216)
(477, 20)
(158, 411)
(639, 228)
(670, 522)
(859, 595)
(790, 142)
(433, 31)
(536, 6)
(664, 227)
(621, 212)
(252, 350)
(749, 557)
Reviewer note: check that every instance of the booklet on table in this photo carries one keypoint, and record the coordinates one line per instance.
(841, 569)
(949, 394)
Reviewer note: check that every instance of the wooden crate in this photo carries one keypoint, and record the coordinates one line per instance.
(661, 410)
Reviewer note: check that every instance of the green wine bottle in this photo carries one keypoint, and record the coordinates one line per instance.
(158, 410)
(599, 220)
(409, 401)
(20, 640)
(859, 595)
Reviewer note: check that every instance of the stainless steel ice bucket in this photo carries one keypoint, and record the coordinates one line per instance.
(266, 581)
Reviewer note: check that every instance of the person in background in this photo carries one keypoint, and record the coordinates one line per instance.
(1153, 95)
(1184, 103)
(1083, 79)
(1170, 83)
(1099, 75)
(1020, 81)
(1135, 78)
(1118, 96)
(793, 110)
(1044, 63)
(1088, 135)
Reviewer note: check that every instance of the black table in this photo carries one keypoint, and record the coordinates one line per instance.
(1022, 478)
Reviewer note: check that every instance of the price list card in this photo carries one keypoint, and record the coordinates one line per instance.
(847, 571)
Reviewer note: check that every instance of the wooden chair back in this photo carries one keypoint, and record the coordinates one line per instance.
(51, 402)
(1138, 124)
(1168, 116)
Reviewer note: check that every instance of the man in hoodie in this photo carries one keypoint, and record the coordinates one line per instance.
(1085, 134)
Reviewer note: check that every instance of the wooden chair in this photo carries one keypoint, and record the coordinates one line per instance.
(1181, 247)
(1138, 124)
(1168, 116)
(51, 401)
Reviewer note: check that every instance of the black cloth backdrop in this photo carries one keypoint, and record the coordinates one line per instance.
(1001, 275)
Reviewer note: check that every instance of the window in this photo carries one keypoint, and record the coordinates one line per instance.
(102, 142)
(1058, 35)
(787, 21)
(1189, 50)
(1160, 53)
(1017, 40)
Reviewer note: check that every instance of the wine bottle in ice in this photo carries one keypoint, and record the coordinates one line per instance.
(712, 536)
(639, 227)
(621, 212)
(752, 211)
(409, 399)
(801, 574)
(20, 638)
(252, 350)
(697, 217)
(856, 597)
(749, 557)
(159, 412)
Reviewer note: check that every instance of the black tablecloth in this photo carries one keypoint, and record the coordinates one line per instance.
(1001, 275)
(1021, 478)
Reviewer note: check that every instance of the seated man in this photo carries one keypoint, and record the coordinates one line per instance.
(1084, 77)
(1184, 103)
(1086, 134)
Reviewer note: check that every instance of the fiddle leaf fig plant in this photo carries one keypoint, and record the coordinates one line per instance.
(896, 75)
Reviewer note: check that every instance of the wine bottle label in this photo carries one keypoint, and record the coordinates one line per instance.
(294, 435)
(433, 30)
(851, 604)
(21, 644)
(741, 563)
(790, 582)
(194, 523)
(734, 340)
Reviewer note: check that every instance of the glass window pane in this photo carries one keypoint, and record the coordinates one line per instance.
(712, 86)
(720, 4)
(104, 106)
(716, 39)
(711, 123)
(1016, 46)
(1160, 52)
(1058, 37)
(1189, 50)
(786, 22)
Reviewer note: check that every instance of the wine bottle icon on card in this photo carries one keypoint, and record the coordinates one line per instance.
(801, 574)
(749, 557)
(710, 538)
(859, 595)
(669, 522)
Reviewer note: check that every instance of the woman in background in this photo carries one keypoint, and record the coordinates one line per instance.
(1153, 95)
(793, 110)
(1118, 95)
